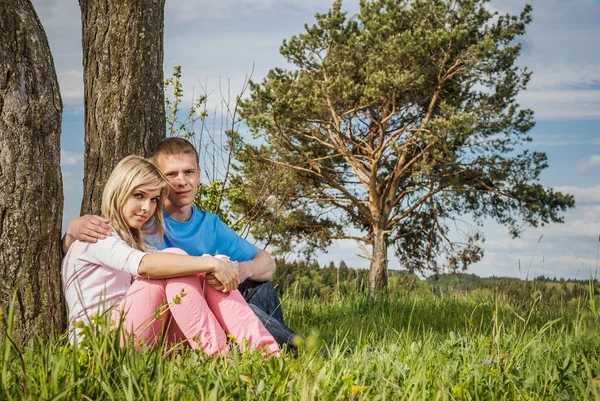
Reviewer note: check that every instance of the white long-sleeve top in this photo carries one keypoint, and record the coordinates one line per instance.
(97, 275)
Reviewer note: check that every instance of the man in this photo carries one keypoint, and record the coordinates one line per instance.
(200, 232)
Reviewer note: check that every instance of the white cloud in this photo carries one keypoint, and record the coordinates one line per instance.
(589, 163)
(560, 139)
(58, 15)
(531, 265)
(562, 104)
(585, 196)
(561, 49)
(223, 64)
(555, 90)
(192, 9)
(583, 221)
(501, 242)
(564, 76)
(68, 158)
(71, 86)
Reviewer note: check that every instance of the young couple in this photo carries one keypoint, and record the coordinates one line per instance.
(112, 261)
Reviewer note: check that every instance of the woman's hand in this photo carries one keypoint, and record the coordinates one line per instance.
(226, 272)
(212, 281)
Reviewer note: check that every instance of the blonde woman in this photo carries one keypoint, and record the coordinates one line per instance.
(121, 273)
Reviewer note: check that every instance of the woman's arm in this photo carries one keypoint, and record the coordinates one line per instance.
(166, 265)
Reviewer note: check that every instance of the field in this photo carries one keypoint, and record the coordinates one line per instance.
(419, 345)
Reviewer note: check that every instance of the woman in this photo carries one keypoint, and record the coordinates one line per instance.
(121, 273)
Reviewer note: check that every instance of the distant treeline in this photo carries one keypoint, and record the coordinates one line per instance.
(308, 278)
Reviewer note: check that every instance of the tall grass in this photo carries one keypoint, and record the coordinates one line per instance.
(393, 347)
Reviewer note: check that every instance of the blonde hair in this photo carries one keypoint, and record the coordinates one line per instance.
(133, 172)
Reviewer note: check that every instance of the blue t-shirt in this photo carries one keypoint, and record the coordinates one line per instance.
(204, 233)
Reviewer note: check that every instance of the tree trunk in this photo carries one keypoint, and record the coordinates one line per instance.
(123, 85)
(378, 274)
(31, 193)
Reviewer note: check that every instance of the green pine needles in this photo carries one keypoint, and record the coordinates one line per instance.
(397, 124)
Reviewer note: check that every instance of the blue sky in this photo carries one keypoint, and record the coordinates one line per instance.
(218, 43)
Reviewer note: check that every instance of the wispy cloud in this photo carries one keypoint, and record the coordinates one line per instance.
(564, 91)
(562, 139)
(588, 163)
(565, 76)
(68, 158)
(585, 195)
(58, 15)
(562, 104)
(582, 221)
(192, 9)
(71, 86)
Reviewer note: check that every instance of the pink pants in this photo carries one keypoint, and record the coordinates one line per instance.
(196, 313)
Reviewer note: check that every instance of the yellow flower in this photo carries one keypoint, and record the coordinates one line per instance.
(348, 377)
(356, 389)
(457, 392)
(232, 337)
(596, 381)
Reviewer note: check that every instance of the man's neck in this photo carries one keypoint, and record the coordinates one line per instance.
(181, 214)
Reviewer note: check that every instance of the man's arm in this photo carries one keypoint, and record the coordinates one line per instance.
(260, 268)
(88, 228)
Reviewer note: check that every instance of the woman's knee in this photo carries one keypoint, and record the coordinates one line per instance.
(144, 287)
(188, 285)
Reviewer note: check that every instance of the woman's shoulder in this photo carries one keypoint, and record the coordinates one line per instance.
(81, 247)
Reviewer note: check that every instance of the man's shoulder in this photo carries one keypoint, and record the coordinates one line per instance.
(198, 215)
(203, 216)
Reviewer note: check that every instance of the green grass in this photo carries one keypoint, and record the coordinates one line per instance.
(454, 347)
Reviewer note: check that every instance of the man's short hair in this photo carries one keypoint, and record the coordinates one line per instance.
(174, 146)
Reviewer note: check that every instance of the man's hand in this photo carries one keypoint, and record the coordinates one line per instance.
(212, 281)
(88, 228)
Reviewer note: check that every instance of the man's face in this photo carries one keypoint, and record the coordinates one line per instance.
(183, 174)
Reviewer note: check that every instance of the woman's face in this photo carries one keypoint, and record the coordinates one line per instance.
(140, 206)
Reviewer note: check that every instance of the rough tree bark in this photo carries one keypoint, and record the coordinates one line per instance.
(123, 83)
(31, 193)
(378, 270)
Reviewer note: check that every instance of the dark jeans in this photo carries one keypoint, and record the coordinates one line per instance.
(265, 303)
